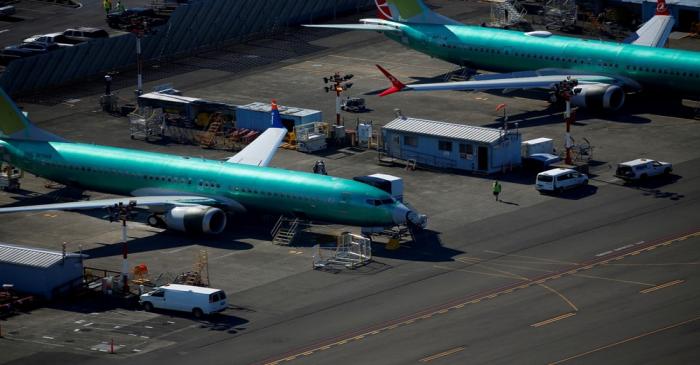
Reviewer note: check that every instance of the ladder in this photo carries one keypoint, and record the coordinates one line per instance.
(285, 230)
(215, 128)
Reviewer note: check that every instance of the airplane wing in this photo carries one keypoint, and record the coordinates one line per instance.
(374, 27)
(653, 33)
(377, 25)
(141, 202)
(514, 81)
(261, 151)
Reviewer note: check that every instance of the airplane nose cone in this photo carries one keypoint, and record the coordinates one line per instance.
(399, 214)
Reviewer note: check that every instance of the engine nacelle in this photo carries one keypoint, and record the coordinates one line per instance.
(196, 219)
(598, 97)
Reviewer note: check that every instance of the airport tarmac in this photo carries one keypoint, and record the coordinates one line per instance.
(607, 274)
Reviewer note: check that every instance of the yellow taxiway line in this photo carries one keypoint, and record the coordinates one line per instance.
(551, 320)
(442, 354)
(661, 286)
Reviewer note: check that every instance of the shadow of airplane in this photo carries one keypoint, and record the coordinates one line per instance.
(427, 247)
(167, 239)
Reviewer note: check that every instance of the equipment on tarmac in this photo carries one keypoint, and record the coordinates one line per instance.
(10, 177)
(354, 105)
(351, 251)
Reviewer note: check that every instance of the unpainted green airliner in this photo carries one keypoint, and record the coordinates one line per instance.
(605, 71)
(193, 194)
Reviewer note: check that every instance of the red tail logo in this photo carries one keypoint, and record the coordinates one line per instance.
(661, 8)
(383, 10)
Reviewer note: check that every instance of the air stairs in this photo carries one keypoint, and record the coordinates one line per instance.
(505, 13)
(285, 230)
(214, 130)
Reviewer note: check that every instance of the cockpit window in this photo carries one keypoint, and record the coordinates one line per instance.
(377, 202)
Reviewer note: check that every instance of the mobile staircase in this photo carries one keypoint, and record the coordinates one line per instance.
(506, 13)
(285, 230)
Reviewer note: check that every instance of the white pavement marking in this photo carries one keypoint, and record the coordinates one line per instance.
(620, 248)
(177, 250)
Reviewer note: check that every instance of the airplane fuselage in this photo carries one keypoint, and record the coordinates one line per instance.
(138, 173)
(501, 50)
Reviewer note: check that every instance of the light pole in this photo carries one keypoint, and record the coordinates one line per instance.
(121, 212)
(566, 90)
(338, 84)
(139, 29)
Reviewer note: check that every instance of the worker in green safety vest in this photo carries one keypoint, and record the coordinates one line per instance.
(496, 189)
(107, 4)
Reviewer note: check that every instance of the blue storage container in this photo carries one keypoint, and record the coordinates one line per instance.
(257, 116)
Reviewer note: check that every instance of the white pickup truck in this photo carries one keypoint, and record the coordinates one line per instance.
(642, 168)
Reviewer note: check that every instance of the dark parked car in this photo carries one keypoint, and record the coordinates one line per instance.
(84, 34)
(540, 161)
(135, 17)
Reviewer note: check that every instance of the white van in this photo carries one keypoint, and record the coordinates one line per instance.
(186, 298)
(558, 180)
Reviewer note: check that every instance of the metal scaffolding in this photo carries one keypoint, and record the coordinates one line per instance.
(505, 13)
(560, 14)
(351, 251)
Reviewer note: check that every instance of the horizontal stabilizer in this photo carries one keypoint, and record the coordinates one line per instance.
(653, 33)
(263, 148)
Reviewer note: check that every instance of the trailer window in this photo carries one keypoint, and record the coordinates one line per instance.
(445, 146)
(410, 141)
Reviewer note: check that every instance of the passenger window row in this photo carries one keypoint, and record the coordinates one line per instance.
(578, 61)
(273, 194)
(170, 179)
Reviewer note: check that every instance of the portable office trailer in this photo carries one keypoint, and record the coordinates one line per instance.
(537, 145)
(40, 272)
(257, 116)
(448, 145)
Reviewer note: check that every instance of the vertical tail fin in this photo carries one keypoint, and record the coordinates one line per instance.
(662, 8)
(14, 124)
(410, 11)
(276, 118)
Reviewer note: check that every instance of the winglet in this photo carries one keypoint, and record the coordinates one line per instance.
(662, 8)
(396, 85)
(15, 124)
(276, 118)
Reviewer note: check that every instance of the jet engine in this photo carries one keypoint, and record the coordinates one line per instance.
(598, 97)
(196, 219)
